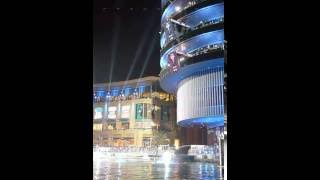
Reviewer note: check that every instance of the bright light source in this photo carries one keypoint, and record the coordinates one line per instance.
(176, 143)
(97, 155)
(145, 156)
(166, 157)
(178, 8)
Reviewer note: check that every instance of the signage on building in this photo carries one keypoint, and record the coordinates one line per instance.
(173, 62)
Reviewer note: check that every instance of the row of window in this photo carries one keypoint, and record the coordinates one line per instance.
(156, 95)
(142, 111)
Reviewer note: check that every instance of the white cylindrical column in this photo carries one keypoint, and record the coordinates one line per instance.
(201, 95)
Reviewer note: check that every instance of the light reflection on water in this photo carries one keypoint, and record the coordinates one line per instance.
(139, 169)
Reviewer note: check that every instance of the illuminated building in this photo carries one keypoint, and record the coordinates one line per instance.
(192, 63)
(126, 113)
(192, 35)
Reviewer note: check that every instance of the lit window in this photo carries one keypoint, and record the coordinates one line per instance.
(125, 111)
(97, 127)
(98, 113)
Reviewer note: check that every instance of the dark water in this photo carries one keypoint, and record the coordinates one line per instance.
(139, 169)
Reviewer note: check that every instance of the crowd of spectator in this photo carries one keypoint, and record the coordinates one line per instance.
(170, 37)
(207, 49)
(120, 97)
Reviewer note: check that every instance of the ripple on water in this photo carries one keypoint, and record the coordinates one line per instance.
(141, 170)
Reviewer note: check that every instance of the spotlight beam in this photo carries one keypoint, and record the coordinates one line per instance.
(114, 47)
(154, 40)
(114, 42)
(138, 52)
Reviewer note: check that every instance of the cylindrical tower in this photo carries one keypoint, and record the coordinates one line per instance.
(192, 59)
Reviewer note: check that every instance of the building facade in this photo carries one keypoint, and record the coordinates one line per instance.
(192, 60)
(193, 64)
(128, 113)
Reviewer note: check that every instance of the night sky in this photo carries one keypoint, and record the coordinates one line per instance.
(125, 35)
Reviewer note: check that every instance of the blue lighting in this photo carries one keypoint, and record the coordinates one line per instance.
(100, 93)
(205, 14)
(170, 82)
(127, 91)
(210, 121)
(141, 89)
(171, 9)
(167, 12)
(114, 92)
(201, 53)
(162, 39)
(214, 37)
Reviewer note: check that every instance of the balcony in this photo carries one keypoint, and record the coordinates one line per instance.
(191, 7)
(199, 55)
(192, 32)
(181, 7)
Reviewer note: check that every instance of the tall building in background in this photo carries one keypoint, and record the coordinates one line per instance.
(127, 113)
(192, 64)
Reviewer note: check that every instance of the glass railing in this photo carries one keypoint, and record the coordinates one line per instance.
(192, 3)
(207, 49)
(207, 23)
(178, 6)
(172, 38)
(200, 51)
